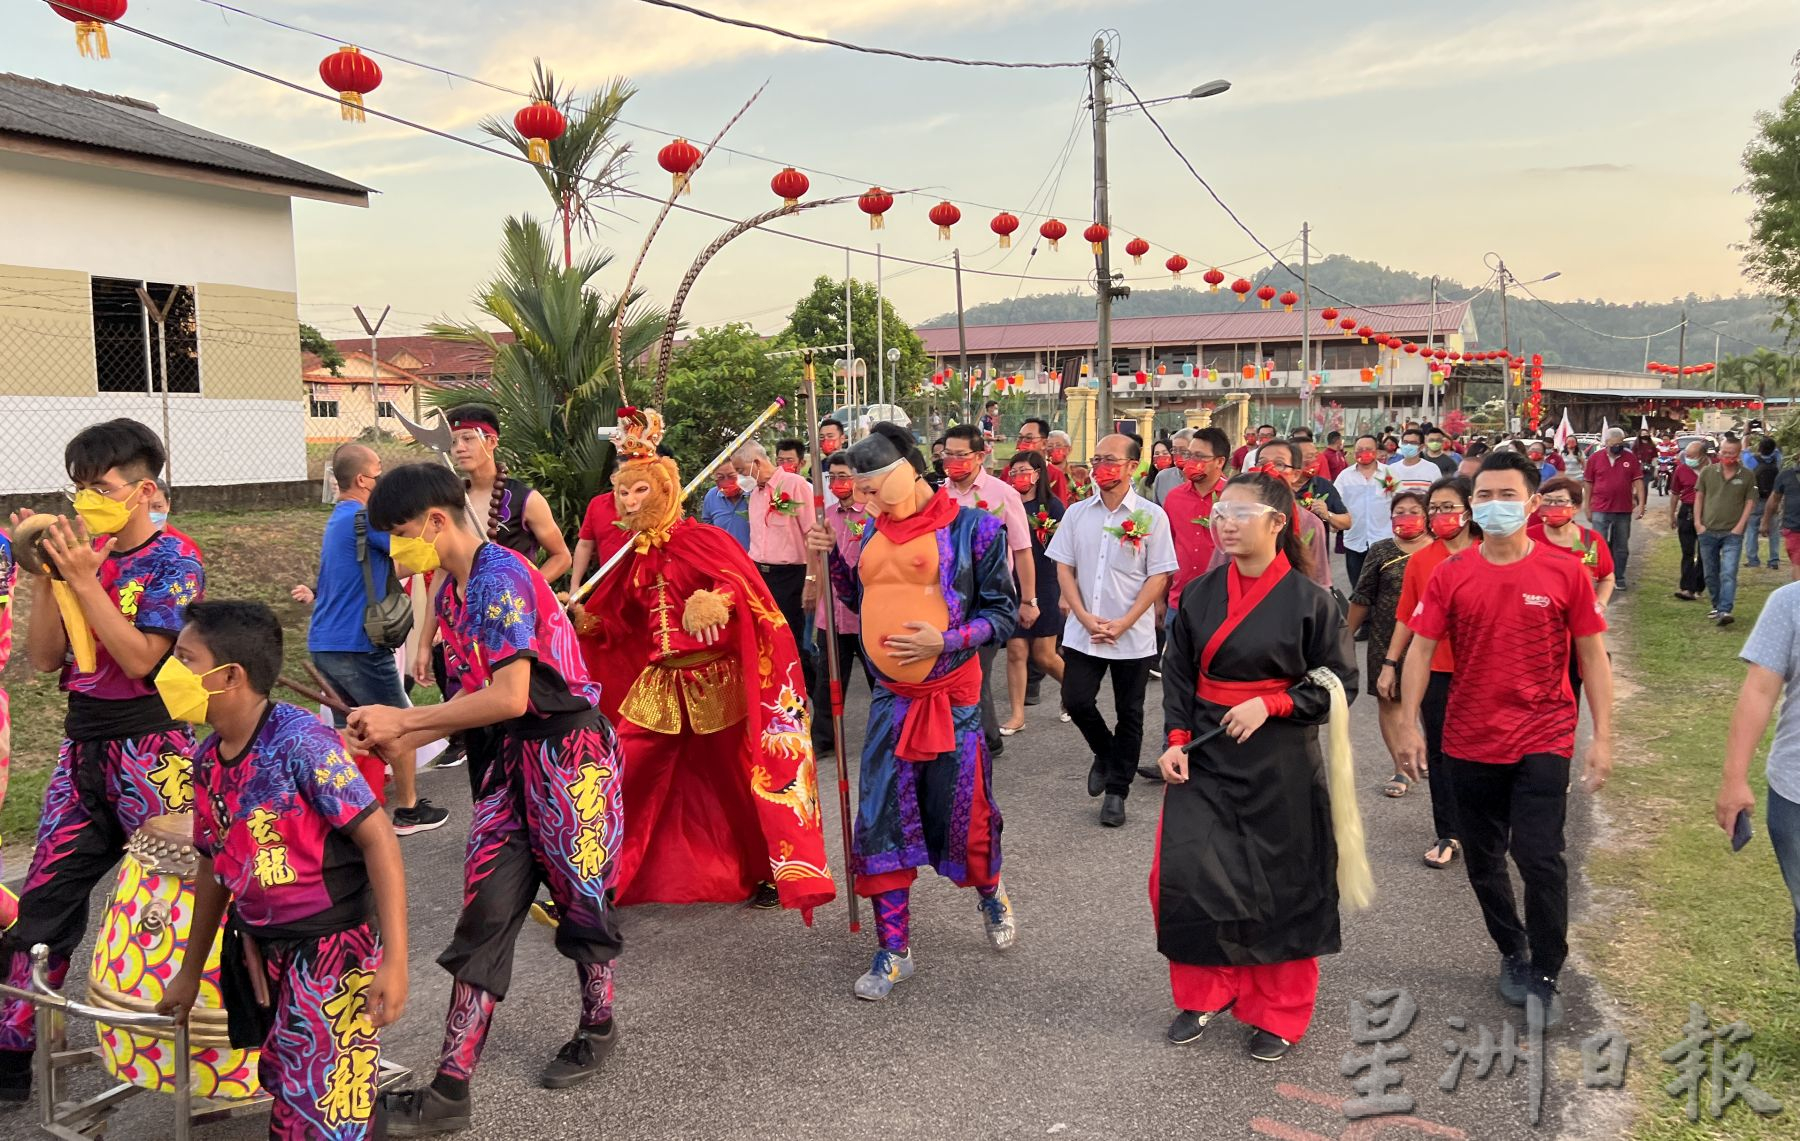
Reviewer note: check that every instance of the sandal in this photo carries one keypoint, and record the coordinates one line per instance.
(1397, 786)
(1449, 848)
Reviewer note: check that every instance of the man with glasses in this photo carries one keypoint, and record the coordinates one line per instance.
(1115, 555)
(1252, 455)
(1035, 436)
(1189, 507)
(124, 757)
(970, 484)
(1363, 492)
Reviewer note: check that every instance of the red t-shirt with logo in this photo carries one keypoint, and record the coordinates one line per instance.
(1512, 626)
(1589, 547)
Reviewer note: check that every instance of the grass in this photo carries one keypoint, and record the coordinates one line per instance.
(256, 555)
(1687, 920)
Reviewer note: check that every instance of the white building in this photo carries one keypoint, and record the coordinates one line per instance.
(104, 196)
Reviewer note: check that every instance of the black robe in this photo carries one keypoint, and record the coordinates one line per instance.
(1248, 858)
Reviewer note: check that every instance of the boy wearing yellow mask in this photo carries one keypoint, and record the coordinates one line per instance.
(547, 808)
(123, 758)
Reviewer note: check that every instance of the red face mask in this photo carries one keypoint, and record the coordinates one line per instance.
(960, 467)
(1201, 470)
(1447, 526)
(842, 487)
(1024, 483)
(1161, 463)
(1558, 516)
(790, 465)
(1109, 476)
(1409, 526)
(828, 445)
(1365, 456)
(1058, 455)
(728, 485)
(1031, 445)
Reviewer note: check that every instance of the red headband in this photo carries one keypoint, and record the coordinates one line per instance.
(475, 425)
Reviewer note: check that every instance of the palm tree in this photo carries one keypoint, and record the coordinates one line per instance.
(586, 163)
(1762, 373)
(553, 385)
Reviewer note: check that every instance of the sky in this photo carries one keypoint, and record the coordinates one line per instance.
(1596, 138)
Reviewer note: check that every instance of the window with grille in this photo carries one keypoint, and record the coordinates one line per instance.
(385, 408)
(322, 404)
(127, 354)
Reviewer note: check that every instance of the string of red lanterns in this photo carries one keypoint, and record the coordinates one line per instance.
(1662, 369)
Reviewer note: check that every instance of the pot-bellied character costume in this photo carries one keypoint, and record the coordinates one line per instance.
(931, 586)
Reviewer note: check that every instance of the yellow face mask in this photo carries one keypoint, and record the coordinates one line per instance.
(103, 514)
(414, 555)
(183, 691)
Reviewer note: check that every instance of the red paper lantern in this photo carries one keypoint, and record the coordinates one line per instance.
(352, 75)
(541, 124)
(1440, 354)
(1266, 295)
(1004, 224)
(90, 18)
(1289, 300)
(1348, 325)
(1241, 287)
(1456, 356)
(791, 185)
(1213, 278)
(1411, 348)
(1328, 314)
(1368, 375)
(943, 216)
(679, 158)
(1142, 377)
(1365, 333)
(1096, 238)
(875, 203)
(1137, 248)
(1176, 264)
(1053, 232)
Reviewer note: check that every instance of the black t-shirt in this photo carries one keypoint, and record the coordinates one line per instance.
(1788, 484)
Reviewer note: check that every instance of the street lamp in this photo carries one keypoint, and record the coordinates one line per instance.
(1498, 264)
(1211, 87)
(893, 358)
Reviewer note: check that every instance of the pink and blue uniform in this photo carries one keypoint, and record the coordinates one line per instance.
(276, 823)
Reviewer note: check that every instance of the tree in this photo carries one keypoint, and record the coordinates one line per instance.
(553, 386)
(1764, 372)
(1772, 179)
(818, 319)
(586, 162)
(720, 381)
(314, 342)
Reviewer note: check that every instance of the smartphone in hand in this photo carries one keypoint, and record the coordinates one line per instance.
(1741, 830)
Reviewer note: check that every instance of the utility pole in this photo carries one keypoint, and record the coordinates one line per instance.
(375, 364)
(880, 334)
(1681, 352)
(1430, 337)
(160, 314)
(1306, 317)
(1102, 214)
(1506, 342)
(962, 339)
(849, 348)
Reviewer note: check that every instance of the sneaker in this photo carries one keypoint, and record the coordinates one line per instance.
(453, 757)
(1543, 991)
(423, 1112)
(1752, 566)
(1112, 811)
(1621, 586)
(997, 916)
(1155, 674)
(15, 1075)
(888, 968)
(1065, 717)
(765, 897)
(545, 914)
(580, 1057)
(1725, 618)
(1515, 979)
(1713, 614)
(1190, 1024)
(421, 817)
(1267, 1047)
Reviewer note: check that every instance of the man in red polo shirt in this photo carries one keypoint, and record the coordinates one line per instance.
(1616, 495)
(1189, 507)
(1514, 610)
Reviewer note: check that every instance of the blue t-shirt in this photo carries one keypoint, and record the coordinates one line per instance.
(731, 515)
(337, 620)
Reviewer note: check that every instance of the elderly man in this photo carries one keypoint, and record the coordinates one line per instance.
(781, 513)
(1682, 485)
(1035, 436)
(1616, 480)
(1056, 454)
(726, 506)
(1172, 477)
(1722, 503)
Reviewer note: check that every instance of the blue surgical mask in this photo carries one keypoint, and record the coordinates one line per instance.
(1500, 517)
(158, 518)
(1690, 461)
(1409, 451)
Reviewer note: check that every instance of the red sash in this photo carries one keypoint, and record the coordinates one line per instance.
(939, 511)
(929, 728)
(1220, 691)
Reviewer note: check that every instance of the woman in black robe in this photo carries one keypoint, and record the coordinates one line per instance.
(1245, 886)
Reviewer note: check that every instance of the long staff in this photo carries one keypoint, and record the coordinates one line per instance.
(700, 478)
(834, 667)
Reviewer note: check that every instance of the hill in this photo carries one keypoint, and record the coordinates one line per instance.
(1534, 327)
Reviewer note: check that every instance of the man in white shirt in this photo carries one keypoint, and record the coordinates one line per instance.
(967, 480)
(1114, 556)
(1413, 472)
(1360, 486)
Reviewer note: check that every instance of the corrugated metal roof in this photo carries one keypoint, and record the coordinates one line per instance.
(115, 123)
(1682, 394)
(1409, 318)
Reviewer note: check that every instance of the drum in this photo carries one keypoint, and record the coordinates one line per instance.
(138, 953)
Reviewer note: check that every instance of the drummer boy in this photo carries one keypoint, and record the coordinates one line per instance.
(123, 758)
(290, 835)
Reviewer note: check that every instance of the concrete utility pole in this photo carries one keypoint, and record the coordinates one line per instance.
(1102, 214)
(1506, 343)
(1306, 317)
(160, 314)
(374, 332)
(962, 342)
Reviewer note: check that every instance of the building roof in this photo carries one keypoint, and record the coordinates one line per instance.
(1410, 318)
(435, 355)
(92, 121)
(1682, 394)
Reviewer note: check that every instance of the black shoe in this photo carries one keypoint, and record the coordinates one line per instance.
(423, 1112)
(824, 751)
(765, 897)
(1150, 772)
(996, 747)
(1515, 978)
(1362, 633)
(580, 1057)
(15, 1075)
(453, 757)
(1543, 988)
(1097, 777)
(1190, 1024)
(423, 816)
(1267, 1047)
(1112, 810)
(1725, 618)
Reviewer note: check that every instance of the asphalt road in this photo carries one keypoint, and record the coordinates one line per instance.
(741, 1024)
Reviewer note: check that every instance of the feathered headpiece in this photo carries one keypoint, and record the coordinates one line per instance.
(639, 431)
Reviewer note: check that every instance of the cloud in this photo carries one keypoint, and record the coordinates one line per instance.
(1584, 168)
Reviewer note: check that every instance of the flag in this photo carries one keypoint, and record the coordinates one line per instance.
(1643, 423)
(1603, 429)
(1563, 432)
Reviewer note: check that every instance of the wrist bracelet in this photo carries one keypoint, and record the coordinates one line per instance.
(1390, 663)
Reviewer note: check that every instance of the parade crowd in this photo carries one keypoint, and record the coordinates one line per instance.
(655, 739)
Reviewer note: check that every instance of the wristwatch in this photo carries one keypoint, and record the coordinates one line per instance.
(1390, 663)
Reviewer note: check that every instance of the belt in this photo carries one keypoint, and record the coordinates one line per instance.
(767, 568)
(1220, 691)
